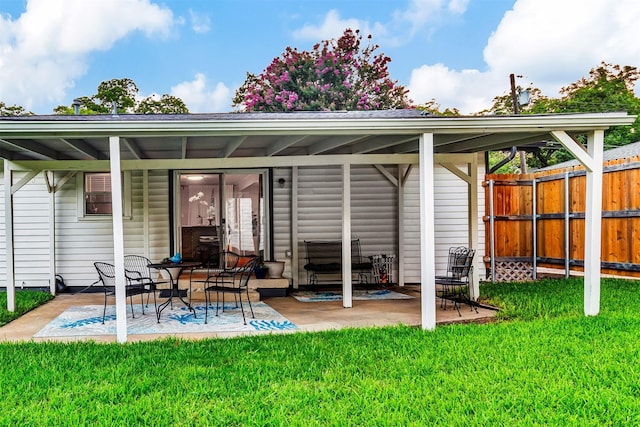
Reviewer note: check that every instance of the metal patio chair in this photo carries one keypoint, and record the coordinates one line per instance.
(107, 275)
(236, 284)
(454, 286)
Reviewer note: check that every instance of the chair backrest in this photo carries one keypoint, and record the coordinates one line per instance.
(460, 262)
(243, 273)
(229, 260)
(137, 267)
(106, 273)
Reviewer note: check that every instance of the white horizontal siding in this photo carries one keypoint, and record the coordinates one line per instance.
(451, 219)
(79, 243)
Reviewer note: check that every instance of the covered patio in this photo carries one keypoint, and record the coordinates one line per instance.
(308, 317)
(406, 138)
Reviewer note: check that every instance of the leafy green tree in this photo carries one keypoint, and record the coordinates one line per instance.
(335, 75)
(607, 88)
(122, 93)
(13, 110)
(432, 107)
(167, 104)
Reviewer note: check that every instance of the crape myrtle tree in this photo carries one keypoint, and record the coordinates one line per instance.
(335, 75)
(122, 93)
(607, 88)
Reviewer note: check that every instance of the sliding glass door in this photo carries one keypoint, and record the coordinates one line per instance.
(221, 210)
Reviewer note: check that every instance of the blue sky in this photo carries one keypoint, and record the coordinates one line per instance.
(458, 52)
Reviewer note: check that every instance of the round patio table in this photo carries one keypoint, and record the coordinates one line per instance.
(174, 271)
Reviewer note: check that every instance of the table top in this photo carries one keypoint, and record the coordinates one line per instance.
(183, 264)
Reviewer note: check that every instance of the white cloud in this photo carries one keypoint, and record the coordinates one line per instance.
(331, 28)
(45, 48)
(201, 98)
(419, 16)
(551, 43)
(200, 23)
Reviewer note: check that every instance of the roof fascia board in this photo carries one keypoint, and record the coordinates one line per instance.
(128, 128)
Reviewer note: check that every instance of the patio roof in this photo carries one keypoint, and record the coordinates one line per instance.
(276, 135)
(246, 140)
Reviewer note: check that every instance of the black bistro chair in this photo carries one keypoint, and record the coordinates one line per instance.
(454, 286)
(138, 272)
(107, 275)
(223, 264)
(236, 283)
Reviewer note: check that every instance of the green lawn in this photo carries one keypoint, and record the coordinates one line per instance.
(25, 301)
(543, 363)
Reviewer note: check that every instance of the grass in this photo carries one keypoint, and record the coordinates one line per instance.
(25, 301)
(544, 363)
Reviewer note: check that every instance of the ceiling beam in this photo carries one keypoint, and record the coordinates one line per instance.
(84, 148)
(333, 142)
(219, 163)
(35, 148)
(229, 149)
(283, 144)
(380, 143)
(491, 142)
(132, 146)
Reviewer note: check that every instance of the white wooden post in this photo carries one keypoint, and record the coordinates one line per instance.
(347, 288)
(427, 230)
(401, 224)
(472, 169)
(8, 237)
(118, 238)
(52, 232)
(295, 256)
(593, 224)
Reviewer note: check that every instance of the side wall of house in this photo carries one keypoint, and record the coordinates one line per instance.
(374, 207)
(374, 210)
(80, 242)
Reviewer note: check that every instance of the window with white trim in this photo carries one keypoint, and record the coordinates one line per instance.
(94, 194)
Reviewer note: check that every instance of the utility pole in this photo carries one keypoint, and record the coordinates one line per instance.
(514, 100)
(514, 95)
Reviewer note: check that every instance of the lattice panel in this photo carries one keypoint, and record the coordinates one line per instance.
(513, 271)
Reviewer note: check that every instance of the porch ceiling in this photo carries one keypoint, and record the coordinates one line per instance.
(260, 135)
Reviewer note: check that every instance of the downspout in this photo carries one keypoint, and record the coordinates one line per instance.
(512, 155)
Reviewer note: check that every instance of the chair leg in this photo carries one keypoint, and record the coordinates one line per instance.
(244, 319)
(206, 304)
(133, 315)
(218, 301)
(142, 302)
(250, 306)
(104, 312)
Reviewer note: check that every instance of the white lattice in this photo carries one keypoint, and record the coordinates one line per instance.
(513, 271)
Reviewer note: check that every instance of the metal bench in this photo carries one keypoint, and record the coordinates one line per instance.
(324, 258)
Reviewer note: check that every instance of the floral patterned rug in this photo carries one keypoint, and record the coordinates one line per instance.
(358, 295)
(87, 321)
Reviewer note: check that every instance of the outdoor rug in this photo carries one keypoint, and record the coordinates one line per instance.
(358, 295)
(87, 321)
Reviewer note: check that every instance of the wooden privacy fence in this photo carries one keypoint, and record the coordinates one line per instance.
(537, 220)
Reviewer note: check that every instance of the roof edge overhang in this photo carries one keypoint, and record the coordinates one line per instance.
(157, 126)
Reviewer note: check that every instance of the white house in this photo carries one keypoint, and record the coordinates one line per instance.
(401, 181)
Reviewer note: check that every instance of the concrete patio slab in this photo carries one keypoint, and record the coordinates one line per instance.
(308, 316)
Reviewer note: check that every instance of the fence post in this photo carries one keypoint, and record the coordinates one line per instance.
(534, 229)
(491, 233)
(567, 254)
